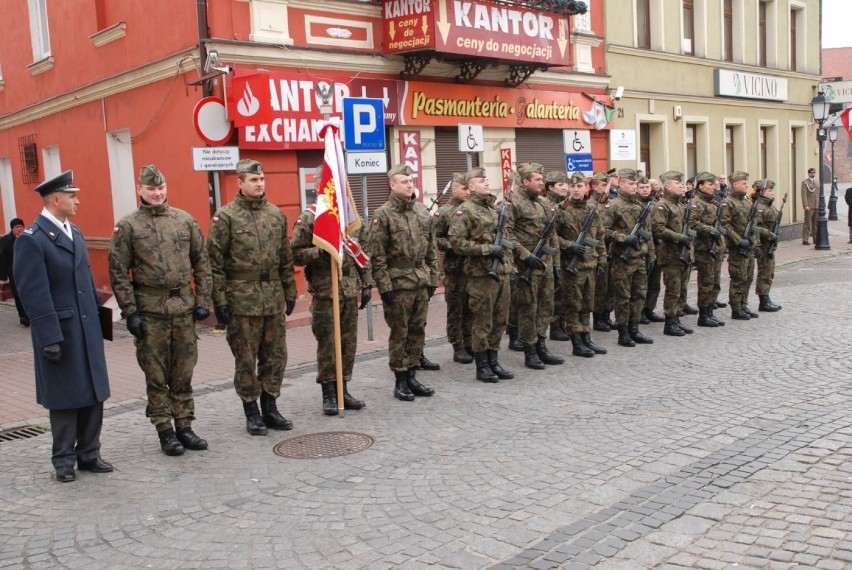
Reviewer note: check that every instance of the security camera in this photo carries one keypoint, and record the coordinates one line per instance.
(212, 63)
(619, 93)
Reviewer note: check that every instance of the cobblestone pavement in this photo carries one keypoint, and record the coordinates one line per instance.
(726, 448)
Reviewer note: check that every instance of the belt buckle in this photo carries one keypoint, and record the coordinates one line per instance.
(264, 276)
(175, 292)
(418, 263)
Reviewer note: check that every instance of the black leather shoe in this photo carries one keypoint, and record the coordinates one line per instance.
(721, 305)
(514, 343)
(190, 440)
(690, 310)
(637, 336)
(683, 327)
(483, 370)
(254, 423)
(501, 372)
(653, 317)
(587, 340)
(750, 313)
(624, 338)
(416, 387)
(350, 402)
(461, 355)
(531, 359)
(671, 328)
(766, 305)
(401, 391)
(96, 465)
(427, 364)
(65, 474)
(579, 347)
(545, 355)
(169, 442)
(740, 315)
(599, 324)
(558, 332)
(329, 399)
(272, 418)
(644, 320)
(25, 322)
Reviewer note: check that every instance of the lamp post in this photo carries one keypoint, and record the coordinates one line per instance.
(832, 202)
(819, 107)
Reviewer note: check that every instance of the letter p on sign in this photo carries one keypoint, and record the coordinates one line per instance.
(363, 124)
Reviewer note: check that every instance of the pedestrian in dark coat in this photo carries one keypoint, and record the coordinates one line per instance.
(7, 257)
(55, 281)
(849, 205)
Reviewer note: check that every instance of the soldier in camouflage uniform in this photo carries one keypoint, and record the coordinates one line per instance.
(735, 212)
(764, 223)
(580, 263)
(655, 276)
(555, 192)
(533, 296)
(155, 255)
(473, 232)
(318, 275)
(603, 297)
(667, 225)
(709, 247)
(459, 318)
(253, 287)
(403, 254)
(630, 257)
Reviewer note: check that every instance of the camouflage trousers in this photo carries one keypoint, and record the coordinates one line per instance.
(167, 355)
(458, 310)
(534, 300)
(560, 291)
(489, 306)
(406, 317)
(741, 272)
(603, 292)
(684, 285)
(654, 287)
(322, 325)
(578, 295)
(765, 273)
(673, 279)
(709, 277)
(629, 284)
(259, 346)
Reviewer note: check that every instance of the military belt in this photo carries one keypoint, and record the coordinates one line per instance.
(326, 270)
(261, 276)
(404, 263)
(162, 291)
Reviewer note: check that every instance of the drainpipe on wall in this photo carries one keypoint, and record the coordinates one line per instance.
(206, 88)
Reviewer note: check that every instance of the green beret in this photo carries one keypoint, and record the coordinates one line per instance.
(399, 169)
(151, 176)
(474, 173)
(555, 176)
(601, 175)
(527, 168)
(577, 177)
(738, 175)
(671, 175)
(764, 185)
(248, 166)
(460, 178)
(705, 177)
(60, 183)
(643, 180)
(628, 174)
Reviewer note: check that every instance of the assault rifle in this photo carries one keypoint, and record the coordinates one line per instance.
(748, 233)
(541, 246)
(638, 231)
(498, 235)
(437, 198)
(583, 237)
(717, 227)
(685, 231)
(770, 251)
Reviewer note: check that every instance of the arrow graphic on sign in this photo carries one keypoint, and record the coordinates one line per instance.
(562, 41)
(391, 29)
(443, 24)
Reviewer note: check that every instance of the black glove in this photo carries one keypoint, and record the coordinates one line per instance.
(651, 265)
(137, 326)
(289, 305)
(497, 253)
(223, 314)
(52, 353)
(600, 272)
(200, 313)
(686, 239)
(388, 297)
(579, 250)
(745, 243)
(630, 239)
(557, 274)
(535, 262)
(431, 290)
(366, 295)
(717, 235)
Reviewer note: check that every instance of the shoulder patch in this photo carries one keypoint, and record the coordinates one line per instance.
(459, 212)
(437, 214)
(375, 221)
(215, 219)
(660, 208)
(759, 211)
(606, 206)
(694, 206)
(114, 229)
(724, 204)
(298, 221)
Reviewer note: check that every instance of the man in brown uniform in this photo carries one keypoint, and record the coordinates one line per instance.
(709, 247)
(810, 202)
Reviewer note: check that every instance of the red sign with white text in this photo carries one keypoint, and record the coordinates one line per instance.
(506, 167)
(409, 151)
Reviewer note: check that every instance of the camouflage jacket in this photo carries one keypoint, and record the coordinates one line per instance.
(317, 262)
(667, 226)
(764, 221)
(735, 211)
(703, 220)
(619, 220)
(250, 258)
(158, 247)
(441, 226)
(528, 215)
(570, 223)
(473, 229)
(401, 243)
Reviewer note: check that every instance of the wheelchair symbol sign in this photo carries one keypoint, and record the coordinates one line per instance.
(579, 163)
(576, 141)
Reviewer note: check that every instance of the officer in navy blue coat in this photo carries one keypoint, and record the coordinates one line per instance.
(51, 269)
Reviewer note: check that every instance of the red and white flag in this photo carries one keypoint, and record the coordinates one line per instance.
(844, 118)
(336, 215)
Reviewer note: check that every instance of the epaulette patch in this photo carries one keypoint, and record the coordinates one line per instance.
(28, 231)
(436, 214)
(215, 219)
(115, 229)
(298, 221)
(724, 204)
(459, 212)
(660, 208)
(694, 206)
(375, 221)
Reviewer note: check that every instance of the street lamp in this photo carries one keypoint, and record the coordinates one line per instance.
(819, 106)
(832, 202)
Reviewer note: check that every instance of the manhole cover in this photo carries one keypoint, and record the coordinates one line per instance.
(321, 445)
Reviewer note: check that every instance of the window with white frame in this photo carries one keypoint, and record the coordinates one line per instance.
(39, 34)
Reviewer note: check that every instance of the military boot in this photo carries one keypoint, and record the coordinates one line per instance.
(605, 316)
(705, 318)
(638, 337)
(683, 327)
(514, 343)
(598, 322)
(254, 423)
(580, 349)
(653, 317)
(329, 399)
(350, 402)
(643, 319)
(427, 364)
(401, 391)
(587, 340)
(531, 359)
(501, 372)
(271, 417)
(416, 387)
(713, 316)
(190, 440)
(169, 442)
(766, 305)
(749, 312)
(671, 328)
(461, 355)
(557, 331)
(483, 370)
(624, 338)
(545, 355)
(740, 315)
(690, 310)
(720, 305)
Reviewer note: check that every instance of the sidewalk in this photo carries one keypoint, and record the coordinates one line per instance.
(215, 362)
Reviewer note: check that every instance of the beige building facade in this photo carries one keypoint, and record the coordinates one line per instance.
(716, 85)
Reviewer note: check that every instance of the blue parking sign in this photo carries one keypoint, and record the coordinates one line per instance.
(363, 124)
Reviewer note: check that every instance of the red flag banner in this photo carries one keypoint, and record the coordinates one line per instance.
(844, 118)
(336, 215)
